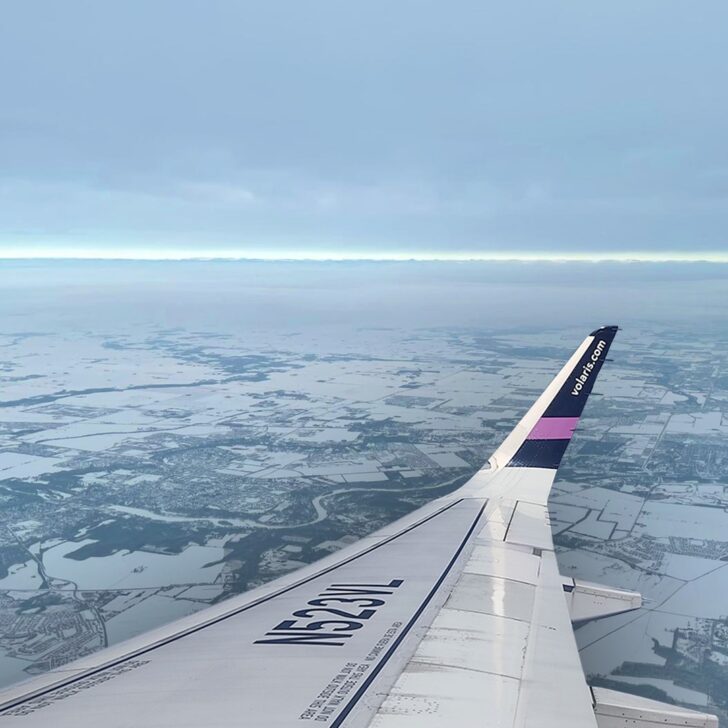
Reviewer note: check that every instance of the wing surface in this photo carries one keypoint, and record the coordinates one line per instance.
(453, 616)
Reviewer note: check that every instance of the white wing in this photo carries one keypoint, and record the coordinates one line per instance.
(453, 616)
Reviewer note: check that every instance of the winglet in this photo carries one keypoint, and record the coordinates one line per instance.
(540, 439)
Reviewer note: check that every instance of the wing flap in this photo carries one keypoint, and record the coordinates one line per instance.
(506, 621)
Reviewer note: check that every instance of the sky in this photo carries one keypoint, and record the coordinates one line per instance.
(378, 129)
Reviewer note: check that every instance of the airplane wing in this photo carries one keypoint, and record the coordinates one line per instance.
(455, 615)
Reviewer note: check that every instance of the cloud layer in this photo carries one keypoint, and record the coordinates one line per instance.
(378, 127)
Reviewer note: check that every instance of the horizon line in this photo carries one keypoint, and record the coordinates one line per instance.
(45, 254)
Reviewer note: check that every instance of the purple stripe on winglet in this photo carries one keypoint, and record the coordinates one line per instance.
(553, 428)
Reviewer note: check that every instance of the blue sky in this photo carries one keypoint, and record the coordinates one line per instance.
(364, 129)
